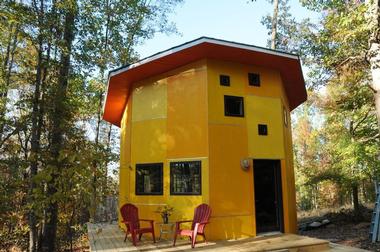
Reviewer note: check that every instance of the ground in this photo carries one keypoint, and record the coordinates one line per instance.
(344, 229)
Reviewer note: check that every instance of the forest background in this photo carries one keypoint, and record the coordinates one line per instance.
(57, 156)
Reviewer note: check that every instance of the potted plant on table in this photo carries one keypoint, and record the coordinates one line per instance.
(165, 212)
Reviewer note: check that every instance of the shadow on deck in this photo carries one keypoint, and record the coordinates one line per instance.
(108, 237)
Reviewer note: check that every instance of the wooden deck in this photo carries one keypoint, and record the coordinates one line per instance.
(108, 237)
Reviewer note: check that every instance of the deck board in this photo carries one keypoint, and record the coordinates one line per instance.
(108, 237)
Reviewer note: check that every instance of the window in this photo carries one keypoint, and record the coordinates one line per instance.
(149, 179)
(233, 106)
(224, 80)
(185, 178)
(254, 79)
(263, 129)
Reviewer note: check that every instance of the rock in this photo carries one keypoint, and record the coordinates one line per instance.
(315, 224)
(335, 240)
(325, 221)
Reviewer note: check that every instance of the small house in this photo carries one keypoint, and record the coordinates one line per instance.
(208, 121)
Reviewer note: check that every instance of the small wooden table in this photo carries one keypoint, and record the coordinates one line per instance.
(166, 228)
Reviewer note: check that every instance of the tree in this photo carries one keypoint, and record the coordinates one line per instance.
(335, 52)
(351, 132)
(373, 54)
(50, 55)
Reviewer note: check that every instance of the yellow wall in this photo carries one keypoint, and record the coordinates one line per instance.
(187, 112)
(231, 188)
(234, 138)
(161, 129)
(265, 110)
(179, 116)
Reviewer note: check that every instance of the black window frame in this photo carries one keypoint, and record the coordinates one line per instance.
(262, 129)
(161, 166)
(223, 77)
(226, 113)
(254, 79)
(172, 192)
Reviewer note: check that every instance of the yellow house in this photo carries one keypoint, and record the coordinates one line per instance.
(208, 122)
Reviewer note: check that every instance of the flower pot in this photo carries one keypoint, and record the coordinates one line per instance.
(165, 219)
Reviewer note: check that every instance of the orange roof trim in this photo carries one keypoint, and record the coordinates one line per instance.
(120, 80)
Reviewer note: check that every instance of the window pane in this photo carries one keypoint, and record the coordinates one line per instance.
(149, 179)
(224, 80)
(185, 178)
(233, 106)
(254, 79)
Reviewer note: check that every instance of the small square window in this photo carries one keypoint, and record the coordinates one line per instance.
(263, 129)
(233, 106)
(254, 79)
(149, 179)
(224, 80)
(185, 178)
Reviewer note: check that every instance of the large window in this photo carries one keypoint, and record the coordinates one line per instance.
(149, 179)
(233, 106)
(185, 178)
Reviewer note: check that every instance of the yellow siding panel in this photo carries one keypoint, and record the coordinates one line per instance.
(233, 227)
(263, 110)
(149, 100)
(271, 86)
(149, 141)
(125, 155)
(290, 181)
(231, 188)
(216, 92)
(270, 82)
(187, 113)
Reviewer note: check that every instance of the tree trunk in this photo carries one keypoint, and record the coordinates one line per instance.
(274, 24)
(59, 118)
(374, 59)
(373, 55)
(34, 151)
(95, 164)
(355, 199)
(6, 72)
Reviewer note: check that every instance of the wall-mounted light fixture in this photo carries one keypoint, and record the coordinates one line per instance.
(244, 164)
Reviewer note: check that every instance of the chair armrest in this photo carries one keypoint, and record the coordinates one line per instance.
(178, 223)
(203, 223)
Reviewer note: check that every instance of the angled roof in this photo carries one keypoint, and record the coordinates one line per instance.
(120, 80)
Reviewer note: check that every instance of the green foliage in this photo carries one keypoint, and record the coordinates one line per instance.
(339, 144)
(165, 211)
(336, 136)
(33, 47)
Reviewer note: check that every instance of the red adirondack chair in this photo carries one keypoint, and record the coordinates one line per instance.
(202, 215)
(131, 220)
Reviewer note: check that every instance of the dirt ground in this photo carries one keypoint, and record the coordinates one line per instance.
(345, 228)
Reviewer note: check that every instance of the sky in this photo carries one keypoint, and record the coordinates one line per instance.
(233, 20)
